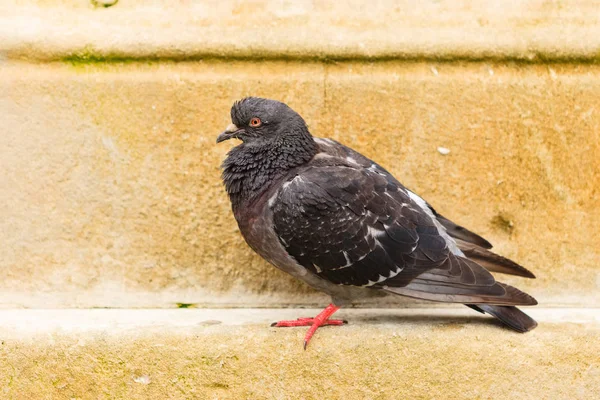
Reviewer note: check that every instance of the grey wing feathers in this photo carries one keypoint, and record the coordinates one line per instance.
(357, 226)
(499, 293)
(458, 232)
(474, 246)
(334, 222)
(492, 261)
(458, 280)
(477, 248)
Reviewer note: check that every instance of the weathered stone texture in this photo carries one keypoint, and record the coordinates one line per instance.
(377, 356)
(525, 30)
(110, 193)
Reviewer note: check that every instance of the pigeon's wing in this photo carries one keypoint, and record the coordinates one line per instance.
(454, 230)
(335, 220)
(461, 233)
(471, 244)
(492, 261)
(355, 226)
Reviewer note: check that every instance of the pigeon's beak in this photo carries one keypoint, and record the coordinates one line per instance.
(231, 131)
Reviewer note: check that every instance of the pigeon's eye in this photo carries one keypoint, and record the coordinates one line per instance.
(255, 122)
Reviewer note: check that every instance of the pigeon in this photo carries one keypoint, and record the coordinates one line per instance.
(343, 224)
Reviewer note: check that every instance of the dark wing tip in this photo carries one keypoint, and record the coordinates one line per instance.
(492, 261)
(483, 242)
(527, 274)
(459, 232)
(462, 233)
(518, 297)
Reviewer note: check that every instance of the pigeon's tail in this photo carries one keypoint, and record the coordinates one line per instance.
(510, 316)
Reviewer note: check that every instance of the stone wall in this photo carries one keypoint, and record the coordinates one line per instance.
(111, 194)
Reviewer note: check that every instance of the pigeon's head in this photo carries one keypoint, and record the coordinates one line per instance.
(256, 119)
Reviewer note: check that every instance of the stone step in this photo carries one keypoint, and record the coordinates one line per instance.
(110, 194)
(526, 31)
(234, 354)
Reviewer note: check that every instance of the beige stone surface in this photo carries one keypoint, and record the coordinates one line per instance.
(204, 354)
(524, 30)
(110, 192)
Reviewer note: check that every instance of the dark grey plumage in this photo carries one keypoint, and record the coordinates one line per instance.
(330, 216)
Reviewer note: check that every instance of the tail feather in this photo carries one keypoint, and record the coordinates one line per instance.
(510, 316)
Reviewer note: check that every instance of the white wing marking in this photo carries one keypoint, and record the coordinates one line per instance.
(441, 230)
(383, 278)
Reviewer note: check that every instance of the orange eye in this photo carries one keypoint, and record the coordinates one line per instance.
(255, 122)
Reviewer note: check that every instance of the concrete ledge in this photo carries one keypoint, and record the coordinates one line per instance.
(441, 30)
(233, 354)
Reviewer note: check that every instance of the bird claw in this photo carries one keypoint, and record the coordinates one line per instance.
(307, 322)
(320, 320)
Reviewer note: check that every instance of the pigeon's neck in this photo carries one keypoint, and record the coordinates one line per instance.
(251, 168)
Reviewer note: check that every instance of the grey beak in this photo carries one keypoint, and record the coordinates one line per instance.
(229, 132)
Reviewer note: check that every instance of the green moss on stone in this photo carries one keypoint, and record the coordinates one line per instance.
(186, 305)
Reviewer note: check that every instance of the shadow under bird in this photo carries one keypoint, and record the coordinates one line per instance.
(340, 222)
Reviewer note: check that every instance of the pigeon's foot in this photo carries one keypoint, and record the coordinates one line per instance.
(306, 322)
(320, 320)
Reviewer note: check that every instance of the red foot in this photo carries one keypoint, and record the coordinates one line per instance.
(306, 322)
(320, 320)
